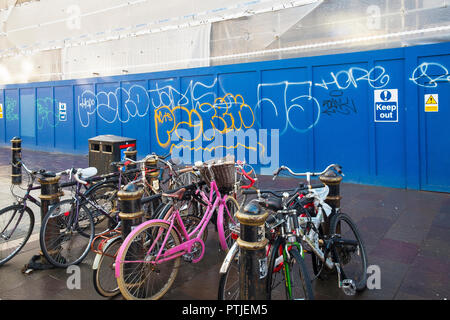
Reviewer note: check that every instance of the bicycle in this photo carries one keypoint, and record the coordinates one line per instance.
(106, 251)
(68, 228)
(18, 218)
(149, 258)
(229, 271)
(108, 244)
(338, 249)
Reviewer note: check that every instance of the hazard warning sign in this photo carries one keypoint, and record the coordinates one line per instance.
(431, 102)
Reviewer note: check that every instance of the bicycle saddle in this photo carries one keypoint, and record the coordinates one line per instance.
(273, 203)
(46, 174)
(87, 172)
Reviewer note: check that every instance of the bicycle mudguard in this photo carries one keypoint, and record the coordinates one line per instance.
(228, 258)
(99, 255)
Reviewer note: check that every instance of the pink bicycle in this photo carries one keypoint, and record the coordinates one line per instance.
(148, 260)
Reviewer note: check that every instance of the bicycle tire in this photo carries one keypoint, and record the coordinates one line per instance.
(24, 232)
(133, 286)
(224, 224)
(297, 269)
(52, 241)
(229, 286)
(103, 194)
(103, 276)
(336, 227)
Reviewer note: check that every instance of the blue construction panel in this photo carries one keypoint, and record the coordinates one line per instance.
(85, 116)
(45, 118)
(164, 94)
(108, 108)
(433, 78)
(64, 125)
(389, 137)
(236, 118)
(27, 98)
(135, 117)
(341, 134)
(285, 105)
(197, 121)
(304, 113)
(12, 114)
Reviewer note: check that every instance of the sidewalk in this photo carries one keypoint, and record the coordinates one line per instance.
(406, 233)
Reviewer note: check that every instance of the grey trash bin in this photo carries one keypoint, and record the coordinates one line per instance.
(108, 148)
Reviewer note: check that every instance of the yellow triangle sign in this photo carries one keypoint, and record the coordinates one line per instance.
(431, 100)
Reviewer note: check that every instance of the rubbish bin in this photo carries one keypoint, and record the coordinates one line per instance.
(108, 148)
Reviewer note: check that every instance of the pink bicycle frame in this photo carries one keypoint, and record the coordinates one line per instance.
(185, 246)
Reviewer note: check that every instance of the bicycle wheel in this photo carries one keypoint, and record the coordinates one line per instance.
(350, 250)
(229, 225)
(229, 280)
(103, 195)
(65, 238)
(139, 278)
(104, 279)
(287, 276)
(16, 226)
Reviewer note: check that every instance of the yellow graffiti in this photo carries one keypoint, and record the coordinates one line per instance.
(217, 147)
(166, 121)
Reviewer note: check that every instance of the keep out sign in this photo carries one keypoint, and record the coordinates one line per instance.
(386, 105)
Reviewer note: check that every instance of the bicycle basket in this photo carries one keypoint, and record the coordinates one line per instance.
(223, 170)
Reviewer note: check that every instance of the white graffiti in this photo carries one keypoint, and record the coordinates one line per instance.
(297, 103)
(344, 79)
(137, 101)
(281, 105)
(429, 74)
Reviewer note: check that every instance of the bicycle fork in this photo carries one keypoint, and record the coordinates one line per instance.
(286, 258)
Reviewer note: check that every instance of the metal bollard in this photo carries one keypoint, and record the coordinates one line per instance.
(16, 166)
(333, 181)
(50, 195)
(131, 153)
(131, 215)
(130, 208)
(152, 173)
(252, 244)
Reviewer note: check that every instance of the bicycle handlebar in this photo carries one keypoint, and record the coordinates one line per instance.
(274, 192)
(336, 167)
(77, 178)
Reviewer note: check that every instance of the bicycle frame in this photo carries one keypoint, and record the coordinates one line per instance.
(195, 235)
(190, 238)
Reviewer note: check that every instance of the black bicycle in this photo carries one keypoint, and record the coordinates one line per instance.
(17, 220)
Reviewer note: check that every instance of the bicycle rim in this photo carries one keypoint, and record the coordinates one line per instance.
(105, 282)
(16, 226)
(104, 196)
(64, 241)
(229, 285)
(138, 278)
(352, 259)
(287, 275)
(299, 282)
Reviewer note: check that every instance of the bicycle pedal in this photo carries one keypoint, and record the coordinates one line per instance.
(187, 257)
(349, 287)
